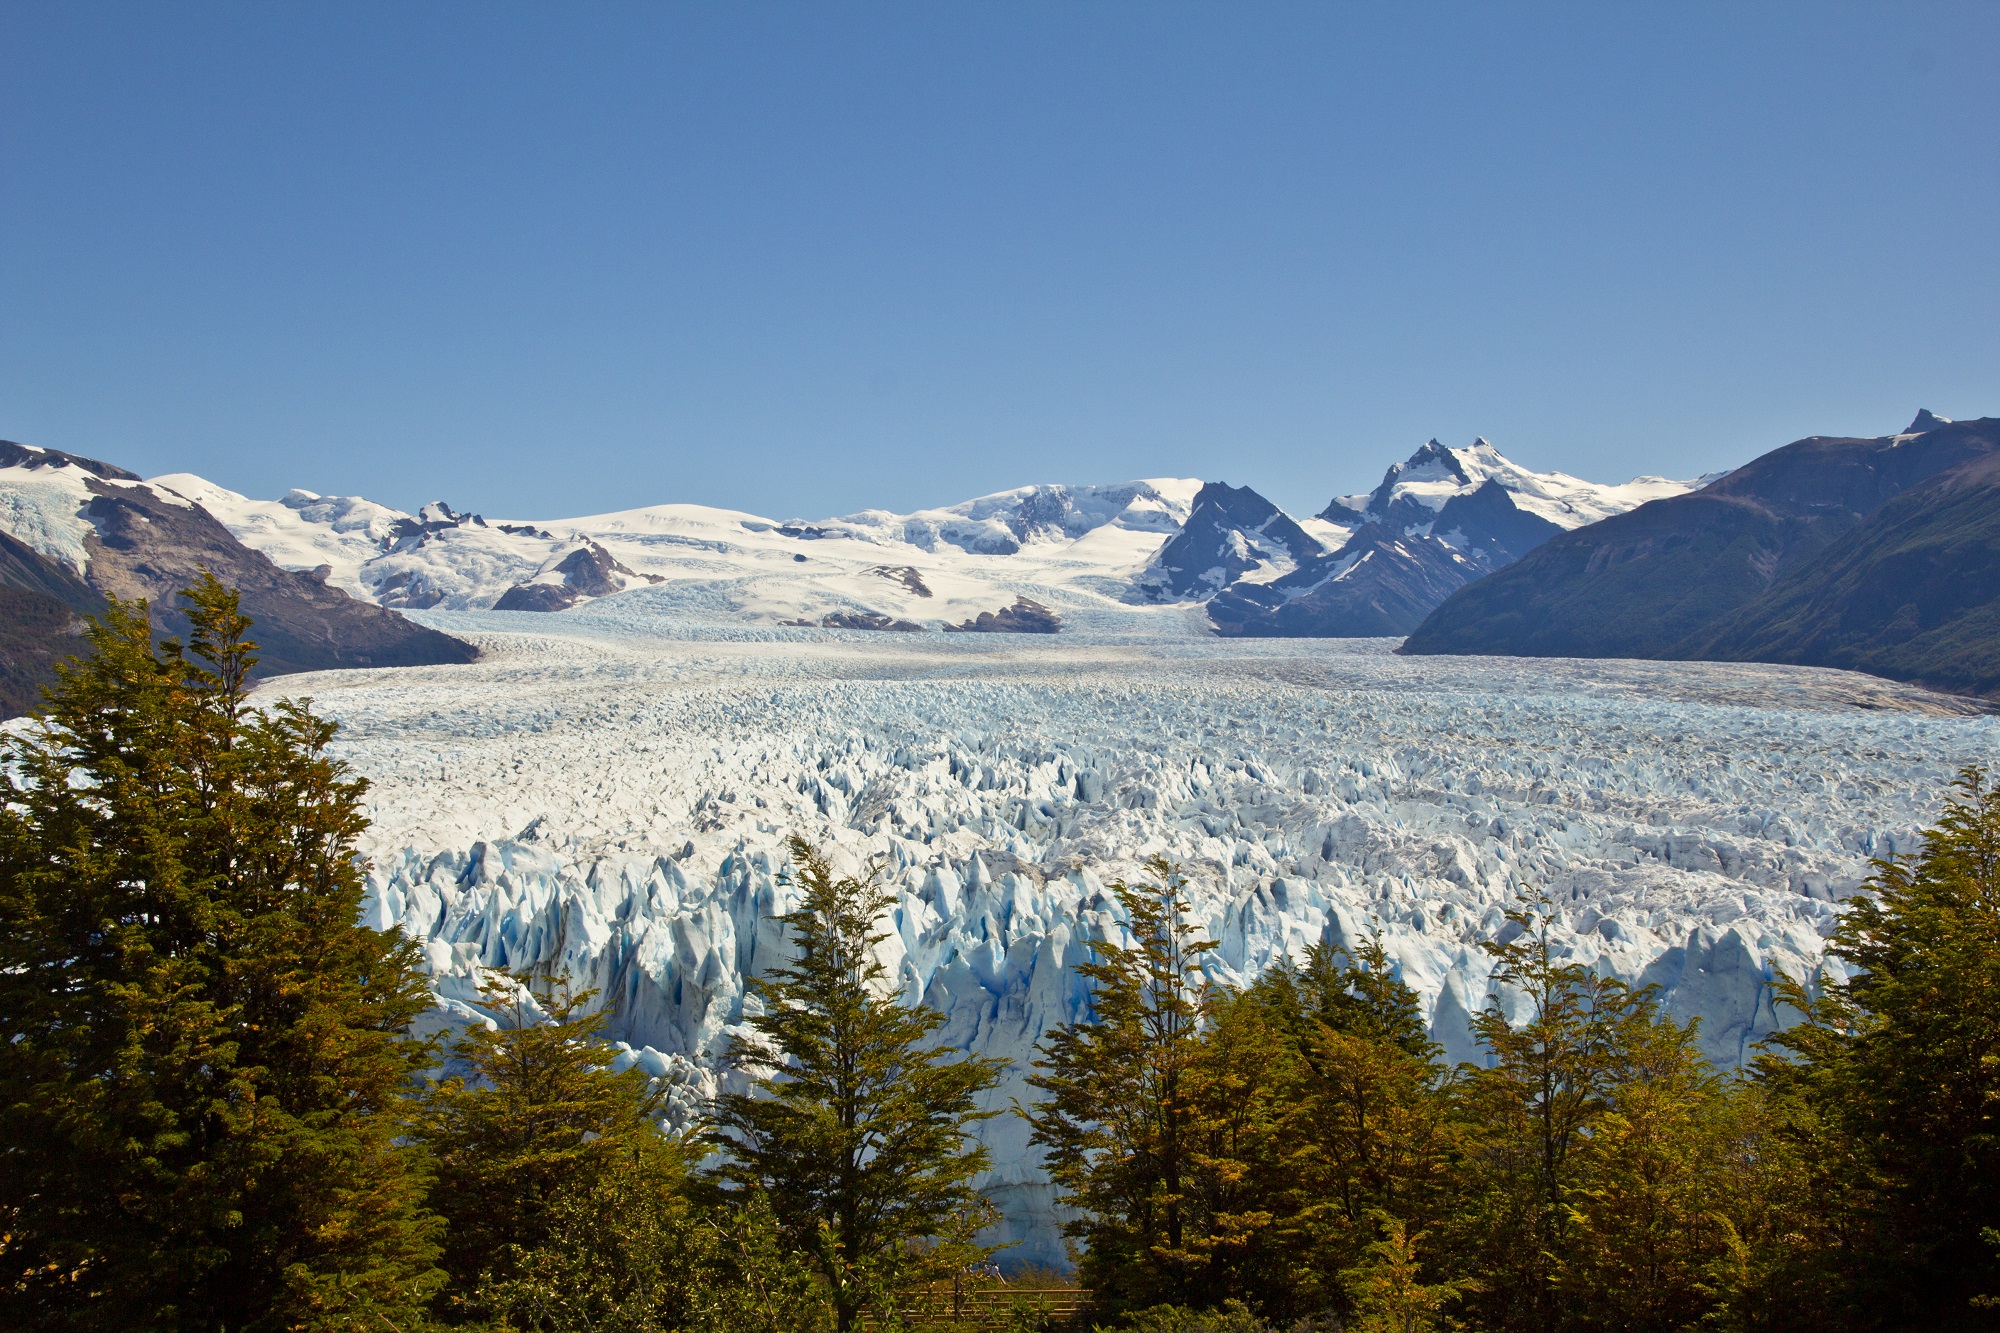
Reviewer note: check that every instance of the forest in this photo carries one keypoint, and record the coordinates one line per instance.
(221, 1111)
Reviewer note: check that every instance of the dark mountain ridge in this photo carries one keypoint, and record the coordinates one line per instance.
(1230, 531)
(148, 544)
(1873, 554)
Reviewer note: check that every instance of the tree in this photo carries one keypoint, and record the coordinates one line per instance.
(1387, 1287)
(539, 1121)
(857, 1130)
(1367, 1128)
(1535, 1113)
(1893, 1079)
(1123, 1117)
(1679, 1174)
(207, 1055)
(640, 1251)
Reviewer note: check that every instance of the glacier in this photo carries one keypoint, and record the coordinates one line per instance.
(606, 793)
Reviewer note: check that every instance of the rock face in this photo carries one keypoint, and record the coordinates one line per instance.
(864, 620)
(1025, 616)
(1378, 584)
(1874, 554)
(588, 571)
(1440, 519)
(79, 529)
(42, 606)
(1231, 531)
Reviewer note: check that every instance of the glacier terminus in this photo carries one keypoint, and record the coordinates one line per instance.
(606, 794)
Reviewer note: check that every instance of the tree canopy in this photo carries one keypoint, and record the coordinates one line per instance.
(208, 1055)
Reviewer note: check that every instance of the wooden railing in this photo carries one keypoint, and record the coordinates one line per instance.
(990, 1307)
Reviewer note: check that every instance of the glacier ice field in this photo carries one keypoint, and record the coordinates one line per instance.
(608, 795)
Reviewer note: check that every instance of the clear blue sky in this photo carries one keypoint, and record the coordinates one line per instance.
(544, 260)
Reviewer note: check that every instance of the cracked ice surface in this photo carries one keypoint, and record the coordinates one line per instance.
(610, 795)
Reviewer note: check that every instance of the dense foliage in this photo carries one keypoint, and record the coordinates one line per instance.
(218, 1116)
(207, 1054)
(857, 1128)
(1299, 1149)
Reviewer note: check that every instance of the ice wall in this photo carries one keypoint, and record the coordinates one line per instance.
(616, 807)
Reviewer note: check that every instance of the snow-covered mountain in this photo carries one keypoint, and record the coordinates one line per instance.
(78, 530)
(1019, 558)
(1231, 535)
(1032, 558)
(1439, 520)
(1439, 491)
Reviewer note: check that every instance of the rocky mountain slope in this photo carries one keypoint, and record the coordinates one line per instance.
(1876, 554)
(1913, 595)
(1232, 534)
(42, 606)
(1438, 521)
(77, 530)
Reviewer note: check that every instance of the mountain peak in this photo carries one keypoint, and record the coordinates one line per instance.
(1926, 420)
(1231, 531)
(1432, 454)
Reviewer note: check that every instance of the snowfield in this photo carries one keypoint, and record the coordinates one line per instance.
(608, 791)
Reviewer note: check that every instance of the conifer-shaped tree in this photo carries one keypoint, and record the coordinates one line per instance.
(1386, 1286)
(1534, 1112)
(534, 1117)
(1122, 1117)
(857, 1130)
(1367, 1127)
(206, 1054)
(1891, 1086)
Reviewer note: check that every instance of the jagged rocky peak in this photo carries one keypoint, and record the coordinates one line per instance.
(1232, 533)
(1433, 461)
(1440, 519)
(1926, 420)
(442, 514)
(1414, 495)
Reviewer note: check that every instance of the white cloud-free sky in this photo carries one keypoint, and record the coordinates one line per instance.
(800, 259)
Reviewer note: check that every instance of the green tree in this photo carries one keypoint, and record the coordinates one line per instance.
(535, 1121)
(1234, 1242)
(1387, 1288)
(1367, 1125)
(857, 1130)
(1534, 1116)
(1156, 1113)
(643, 1251)
(1892, 1081)
(1678, 1177)
(207, 1055)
